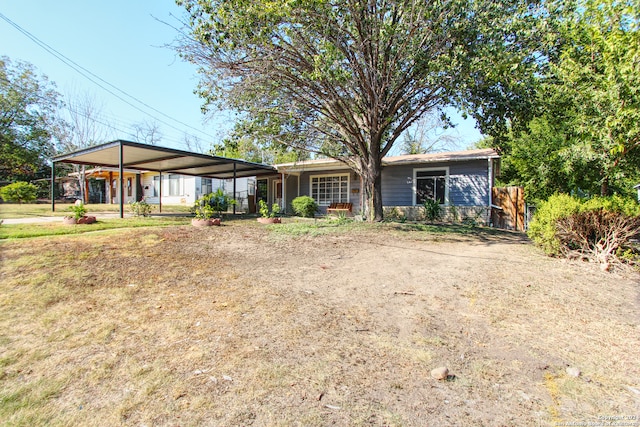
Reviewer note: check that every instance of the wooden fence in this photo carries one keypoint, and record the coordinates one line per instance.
(508, 210)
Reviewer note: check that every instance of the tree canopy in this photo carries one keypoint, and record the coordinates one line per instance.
(347, 78)
(585, 139)
(28, 118)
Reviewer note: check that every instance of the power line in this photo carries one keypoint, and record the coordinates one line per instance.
(86, 73)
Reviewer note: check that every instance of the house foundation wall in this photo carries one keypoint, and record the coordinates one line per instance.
(478, 214)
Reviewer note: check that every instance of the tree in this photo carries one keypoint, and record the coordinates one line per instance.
(426, 136)
(347, 78)
(585, 139)
(19, 192)
(28, 113)
(85, 128)
(148, 132)
(599, 75)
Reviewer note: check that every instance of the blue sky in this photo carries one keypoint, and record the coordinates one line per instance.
(123, 42)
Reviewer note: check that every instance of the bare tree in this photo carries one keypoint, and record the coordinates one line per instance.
(428, 135)
(86, 126)
(147, 131)
(193, 143)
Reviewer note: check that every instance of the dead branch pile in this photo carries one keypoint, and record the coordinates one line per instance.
(596, 235)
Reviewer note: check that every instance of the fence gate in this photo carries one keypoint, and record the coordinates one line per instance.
(508, 210)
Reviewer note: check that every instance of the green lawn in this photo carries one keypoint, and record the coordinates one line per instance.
(18, 231)
(10, 210)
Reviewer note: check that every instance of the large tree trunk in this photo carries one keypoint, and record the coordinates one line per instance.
(372, 189)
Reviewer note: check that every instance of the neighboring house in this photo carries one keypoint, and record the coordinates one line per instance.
(462, 179)
(637, 187)
(103, 187)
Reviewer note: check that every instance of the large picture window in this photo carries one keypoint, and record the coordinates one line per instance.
(329, 189)
(431, 184)
(174, 185)
(171, 186)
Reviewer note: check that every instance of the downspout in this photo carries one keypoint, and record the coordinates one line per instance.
(121, 160)
(53, 186)
(490, 181)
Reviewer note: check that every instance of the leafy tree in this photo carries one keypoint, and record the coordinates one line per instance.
(599, 73)
(347, 78)
(19, 192)
(28, 116)
(586, 137)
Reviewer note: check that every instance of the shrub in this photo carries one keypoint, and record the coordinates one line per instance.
(597, 229)
(542, 229)
(19, 192)
(432, 210)
(211, 203)
(141, 208)
(79, 210)
(304, 206)
(264, 209)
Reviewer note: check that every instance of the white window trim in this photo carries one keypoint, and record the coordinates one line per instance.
(414, 187)
(330, 175)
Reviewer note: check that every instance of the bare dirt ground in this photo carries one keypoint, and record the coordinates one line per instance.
(243, 325)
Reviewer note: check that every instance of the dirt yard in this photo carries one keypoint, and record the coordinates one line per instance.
(247, 325)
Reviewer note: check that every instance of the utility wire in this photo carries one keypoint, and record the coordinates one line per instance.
(86, 73)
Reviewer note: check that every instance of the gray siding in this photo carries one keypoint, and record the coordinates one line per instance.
(468, 183)
(291, 191)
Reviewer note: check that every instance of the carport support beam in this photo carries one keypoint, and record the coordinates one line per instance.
(121, 161)
(234, 187)
(160, 191)
(53, 186)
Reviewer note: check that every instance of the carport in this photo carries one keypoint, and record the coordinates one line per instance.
(143, 157)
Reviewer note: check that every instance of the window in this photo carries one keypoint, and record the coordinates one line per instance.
(330, 189)
(156, 186)
(174, 185)
(431, 184)
(207, 186)
(171, 186)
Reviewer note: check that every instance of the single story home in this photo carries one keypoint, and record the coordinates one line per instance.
(460, 181)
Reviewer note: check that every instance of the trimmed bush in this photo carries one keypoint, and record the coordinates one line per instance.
(304, 206)
(19, 192)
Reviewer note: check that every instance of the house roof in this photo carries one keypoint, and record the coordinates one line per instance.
(451, 156)
(144, 157)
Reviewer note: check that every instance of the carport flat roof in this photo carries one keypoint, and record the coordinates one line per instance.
(144, 157)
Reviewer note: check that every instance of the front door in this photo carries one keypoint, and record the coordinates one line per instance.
(261, 190)
(277, 192)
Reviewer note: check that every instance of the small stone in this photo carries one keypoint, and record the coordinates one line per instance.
(440, 373)
(573, 372)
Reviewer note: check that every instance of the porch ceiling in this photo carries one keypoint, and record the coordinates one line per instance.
(143, 157)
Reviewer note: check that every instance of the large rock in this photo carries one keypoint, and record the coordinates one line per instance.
(440, 373)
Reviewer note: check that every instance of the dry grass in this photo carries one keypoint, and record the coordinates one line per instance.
(244, 325)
